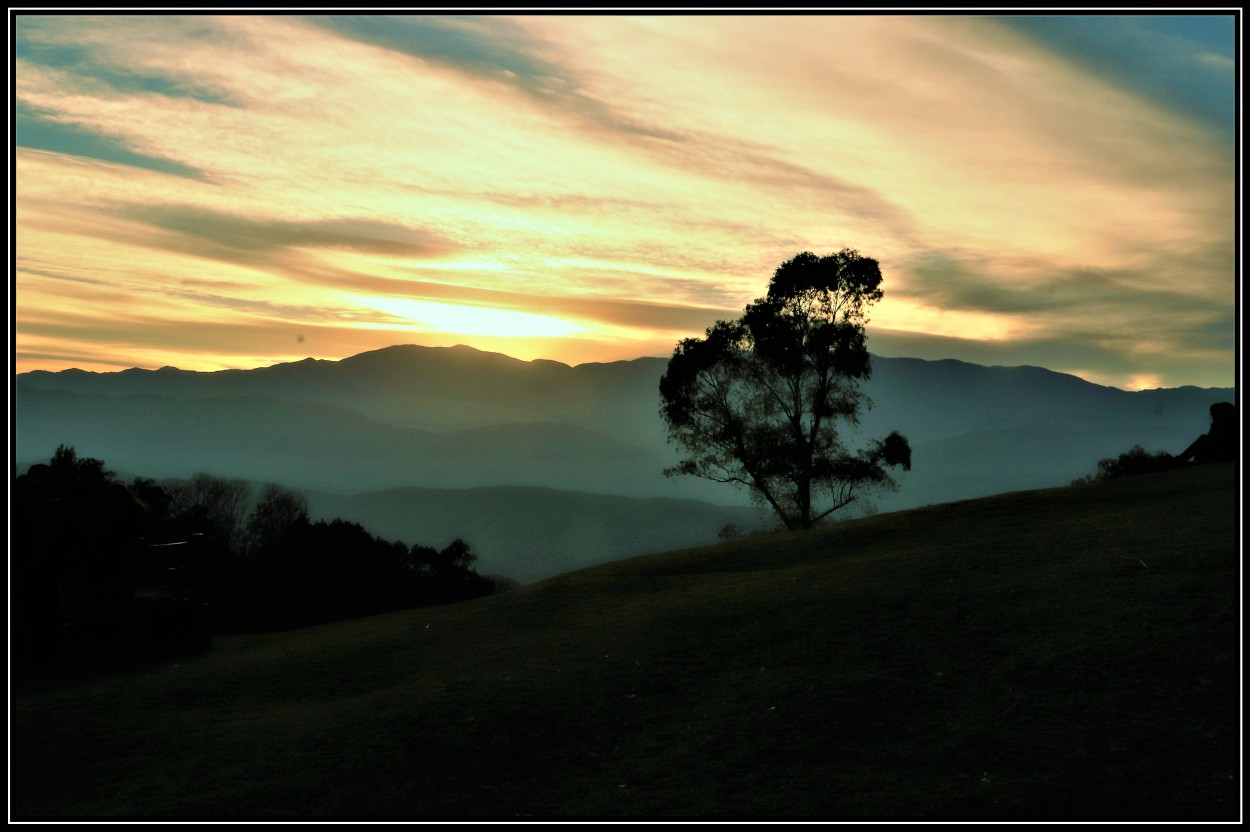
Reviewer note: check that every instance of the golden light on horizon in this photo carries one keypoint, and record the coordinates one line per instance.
(614, 177)
(467, 320)
(908, 316)
(1144, 382)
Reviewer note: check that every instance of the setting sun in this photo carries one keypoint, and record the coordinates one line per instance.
(467, 320)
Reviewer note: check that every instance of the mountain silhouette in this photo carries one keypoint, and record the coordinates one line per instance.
(459, 418)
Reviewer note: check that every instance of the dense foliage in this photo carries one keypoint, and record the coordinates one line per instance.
(1136, 460)
(101, 568)
(757, 402)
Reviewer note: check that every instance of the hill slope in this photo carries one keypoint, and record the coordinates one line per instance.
(1069, 653)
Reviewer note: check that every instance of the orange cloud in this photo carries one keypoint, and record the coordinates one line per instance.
(634, 178)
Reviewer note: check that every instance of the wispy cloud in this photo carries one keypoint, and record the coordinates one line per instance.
(495, 49)
(1041, 186)
(1181, 62)
(43, 131)
(230, 236)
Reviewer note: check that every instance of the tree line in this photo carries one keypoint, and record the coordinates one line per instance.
(101, 568)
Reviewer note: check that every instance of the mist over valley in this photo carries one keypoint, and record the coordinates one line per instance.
(542, 466)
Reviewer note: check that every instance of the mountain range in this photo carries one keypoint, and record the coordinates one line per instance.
(386, 434)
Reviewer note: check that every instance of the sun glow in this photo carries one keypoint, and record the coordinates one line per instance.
(591, 187)
(1143, 382)
(907, 315)
(468, 320)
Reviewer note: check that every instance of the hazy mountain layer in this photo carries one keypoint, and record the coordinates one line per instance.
(459, 418)
(434, 388)
(331, 448)
(532, 533)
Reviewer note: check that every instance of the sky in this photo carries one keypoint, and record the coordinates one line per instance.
(215, 192)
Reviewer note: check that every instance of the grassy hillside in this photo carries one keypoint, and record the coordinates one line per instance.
(1066, 653)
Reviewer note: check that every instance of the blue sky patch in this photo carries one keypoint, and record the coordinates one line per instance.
(36, 130)
(1181, 62)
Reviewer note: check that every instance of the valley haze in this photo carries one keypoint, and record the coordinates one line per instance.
(544, 467)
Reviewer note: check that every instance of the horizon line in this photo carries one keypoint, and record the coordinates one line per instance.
(470, 348)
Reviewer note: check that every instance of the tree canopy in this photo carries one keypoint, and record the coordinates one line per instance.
(759, 400)
(102, 570)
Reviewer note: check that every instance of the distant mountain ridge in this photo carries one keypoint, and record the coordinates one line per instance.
(459, 418)
(445, 388)
(436, 388)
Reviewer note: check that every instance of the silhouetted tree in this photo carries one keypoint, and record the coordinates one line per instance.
(419, 560)
(118, 523)
(75, 478)
(756, 402)
(88, 581)
(276, 513)
(156, 500)
(77, 536)
(214, 506)
(455, 560)
(51, 563)
(1219, 444)
(1136, 460)
(447, 574)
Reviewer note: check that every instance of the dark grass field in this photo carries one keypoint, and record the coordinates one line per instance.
(1067, 654)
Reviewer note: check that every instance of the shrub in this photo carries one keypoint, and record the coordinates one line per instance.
(1137, 460)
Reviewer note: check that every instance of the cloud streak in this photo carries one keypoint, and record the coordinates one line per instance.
(1182, 62)
(1055, 187)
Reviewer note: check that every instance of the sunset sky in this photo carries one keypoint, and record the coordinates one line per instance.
(212, 192)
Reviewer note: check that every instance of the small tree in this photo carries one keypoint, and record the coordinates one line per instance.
(453, 563)
(1133, 462)
(78, 478)
(757, 401)
(211, 505)
(277, 512)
